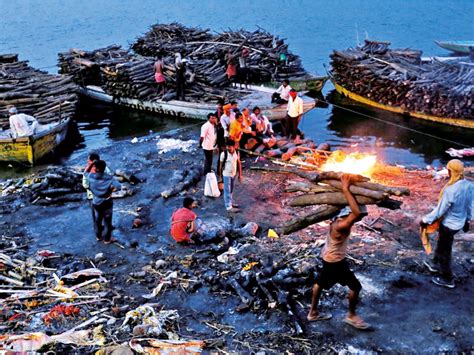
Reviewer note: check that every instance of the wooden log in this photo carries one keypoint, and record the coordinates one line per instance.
(289, 153)
(305, 187)
(329, 198)
(357, 190)
(319, 214)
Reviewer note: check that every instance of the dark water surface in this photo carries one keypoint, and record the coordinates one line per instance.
(38, 30)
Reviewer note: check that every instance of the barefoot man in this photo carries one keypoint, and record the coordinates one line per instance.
(335, 266)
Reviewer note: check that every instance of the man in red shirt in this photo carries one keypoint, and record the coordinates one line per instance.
(183, 222)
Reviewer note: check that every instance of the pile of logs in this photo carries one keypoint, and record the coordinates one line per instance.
(283, 149)
(85, 66)
(52, 186)
(209, 50)
(46, 97)
(398, 78)
(123, 74)
(323, 190)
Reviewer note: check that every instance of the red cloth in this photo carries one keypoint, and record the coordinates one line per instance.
(179, 224)
(160, 78)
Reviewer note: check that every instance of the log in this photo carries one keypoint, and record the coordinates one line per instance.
(305, 187)
(319, 214)
(329, 198)
(357, 190)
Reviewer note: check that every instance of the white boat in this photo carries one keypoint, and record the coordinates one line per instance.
(456, 46)
(259, 96)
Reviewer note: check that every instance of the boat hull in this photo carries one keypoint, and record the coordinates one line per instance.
(458, 122)
(182, 109)
(28, 150)
(312, 85)
(457, 47)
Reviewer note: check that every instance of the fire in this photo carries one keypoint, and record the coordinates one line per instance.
(354, 163)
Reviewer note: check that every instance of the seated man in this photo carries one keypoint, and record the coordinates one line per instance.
(262, 125)
(282, 94)
(22, 125)
(183, 222)
(239, 132)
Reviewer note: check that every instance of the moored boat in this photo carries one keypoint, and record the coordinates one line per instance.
(456, 46)
(459, 122)
(29, 150)
(312, 84)
(259, 96)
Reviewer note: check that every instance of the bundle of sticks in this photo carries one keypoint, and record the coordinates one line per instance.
(399, 78)
(265, 50)
(47, 97)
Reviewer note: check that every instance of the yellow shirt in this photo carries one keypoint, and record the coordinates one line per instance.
(235, 131)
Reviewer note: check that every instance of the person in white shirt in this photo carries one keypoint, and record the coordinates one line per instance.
(262, 125)
(293, 116)
(22, 125)
(226, 119)
(230, 164)
(282, 94)
(208, 140)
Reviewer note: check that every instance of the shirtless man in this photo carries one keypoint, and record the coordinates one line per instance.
(159, 77)
(335, 266)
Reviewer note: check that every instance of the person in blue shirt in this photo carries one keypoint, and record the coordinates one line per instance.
(101, 185)
(453, 213)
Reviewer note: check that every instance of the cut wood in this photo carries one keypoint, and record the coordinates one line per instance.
(321, 213)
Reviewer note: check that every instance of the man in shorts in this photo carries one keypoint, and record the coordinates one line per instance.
(335, 267)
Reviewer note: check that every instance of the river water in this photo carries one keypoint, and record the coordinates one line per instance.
(38, 30)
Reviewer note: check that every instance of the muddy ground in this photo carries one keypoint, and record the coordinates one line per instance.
(407, 311)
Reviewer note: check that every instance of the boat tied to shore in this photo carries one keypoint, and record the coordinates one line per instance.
(256, 96)
(29, 150)
(50, 99)
(399, 81)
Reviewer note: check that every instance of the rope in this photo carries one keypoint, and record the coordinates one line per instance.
(396, 125)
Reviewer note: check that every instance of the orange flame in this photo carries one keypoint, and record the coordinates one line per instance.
(353, 163)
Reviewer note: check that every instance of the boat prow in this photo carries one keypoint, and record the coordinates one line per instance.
(29, 150)
(463, 47)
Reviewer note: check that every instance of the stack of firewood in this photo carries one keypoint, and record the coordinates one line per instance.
(399, 78)
(85, 66)
(46, 97)
(201, 46)
(323, 192)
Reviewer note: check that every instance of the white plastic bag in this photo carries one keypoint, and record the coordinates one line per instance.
(210, 187)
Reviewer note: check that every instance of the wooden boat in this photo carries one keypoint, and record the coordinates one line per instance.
(456, 46)
(459, 122)
(29, 150)
(198, 110)
(312, 84)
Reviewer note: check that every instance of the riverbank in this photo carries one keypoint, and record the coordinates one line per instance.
(408, 312)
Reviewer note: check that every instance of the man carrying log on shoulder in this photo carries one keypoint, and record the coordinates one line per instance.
(335, 266)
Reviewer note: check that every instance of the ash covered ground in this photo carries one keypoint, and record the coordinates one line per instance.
(407, 311)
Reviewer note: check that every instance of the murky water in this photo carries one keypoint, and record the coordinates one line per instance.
(38, 30)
